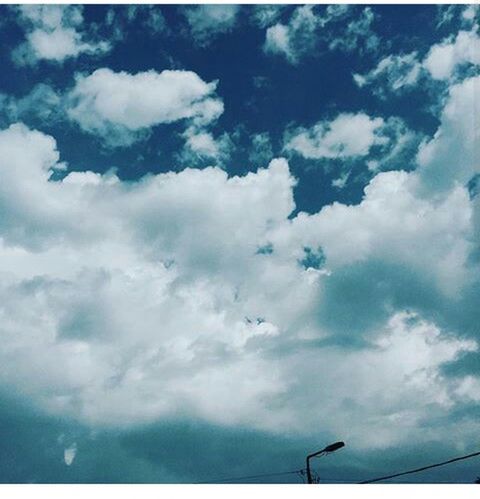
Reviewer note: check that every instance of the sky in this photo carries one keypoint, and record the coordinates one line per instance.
(231, 235)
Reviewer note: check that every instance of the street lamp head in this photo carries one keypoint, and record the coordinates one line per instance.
(333, 447)
(329, 448)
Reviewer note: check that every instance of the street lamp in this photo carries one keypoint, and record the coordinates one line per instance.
(329, 448)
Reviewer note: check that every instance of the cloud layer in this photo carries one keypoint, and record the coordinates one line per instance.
(193, 292)
(331, 293)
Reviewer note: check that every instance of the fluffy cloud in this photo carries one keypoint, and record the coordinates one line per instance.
(358, 34)
(295, 39)
(451, 156)
(277, 41)
(149, 15)
(201, 145)
(42, 103)
(206, 22)
(443, 58)
(391, 377)
(261, 149)
(399, 73)
(149, 18)
(451, 16)
(394, 225)
(139, 278)
(308, 29)
(350, 142)
(265, 15)
(195, 293)
(345, 136)
(119, 106)
(54, 33)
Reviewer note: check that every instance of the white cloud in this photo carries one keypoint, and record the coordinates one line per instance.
(358, 34)
(69, 454)
(350, 140)
(179, 312)
(308, 31)
(54, 33)
(295, 39)
(395, 72)
(277, 41)
(265, 15)
(452, 155)
(206, 22)
(470, 11)
(149, 15)
(379, 397)
(450, 17)
(261, 151)
(394, 225)
(345, 136)
(117, 105)
(443, 58)
(43, 102)
(399, 73)
(128, 302)
(202, 145)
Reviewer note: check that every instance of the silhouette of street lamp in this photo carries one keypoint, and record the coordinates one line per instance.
(329, 448)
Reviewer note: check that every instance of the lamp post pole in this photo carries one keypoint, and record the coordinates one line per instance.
(329, 448)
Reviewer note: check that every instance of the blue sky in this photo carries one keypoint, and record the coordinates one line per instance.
(230, 235)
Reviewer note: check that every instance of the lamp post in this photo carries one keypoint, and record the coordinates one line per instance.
(329, 448)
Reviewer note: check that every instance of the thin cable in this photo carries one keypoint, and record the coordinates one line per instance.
(422, 468)
(252, 477)
(302, 471)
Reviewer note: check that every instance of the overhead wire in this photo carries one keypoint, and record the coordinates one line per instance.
(253, 477)
(301, 473)
(423, 468)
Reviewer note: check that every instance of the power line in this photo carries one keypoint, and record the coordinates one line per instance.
(301, 472)
(423, 468)
(252, 477)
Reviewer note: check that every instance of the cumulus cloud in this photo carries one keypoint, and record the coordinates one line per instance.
(43, 103)
(452, 155)
(309, 30)
(197, 293)
(201, 146)
(261, 151)
(350, 140)
(265, 15)
(470, 12)
(392, 377)
(347, 144)
(206, 22)
(397, 149)
(396, 74)
(295, 39)
(120, 106)
(358, 35)
(345, 136)
(120, 18)
(443, 58)
(451, 16)
(54, 33)
(394, 225)
(149, 15)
